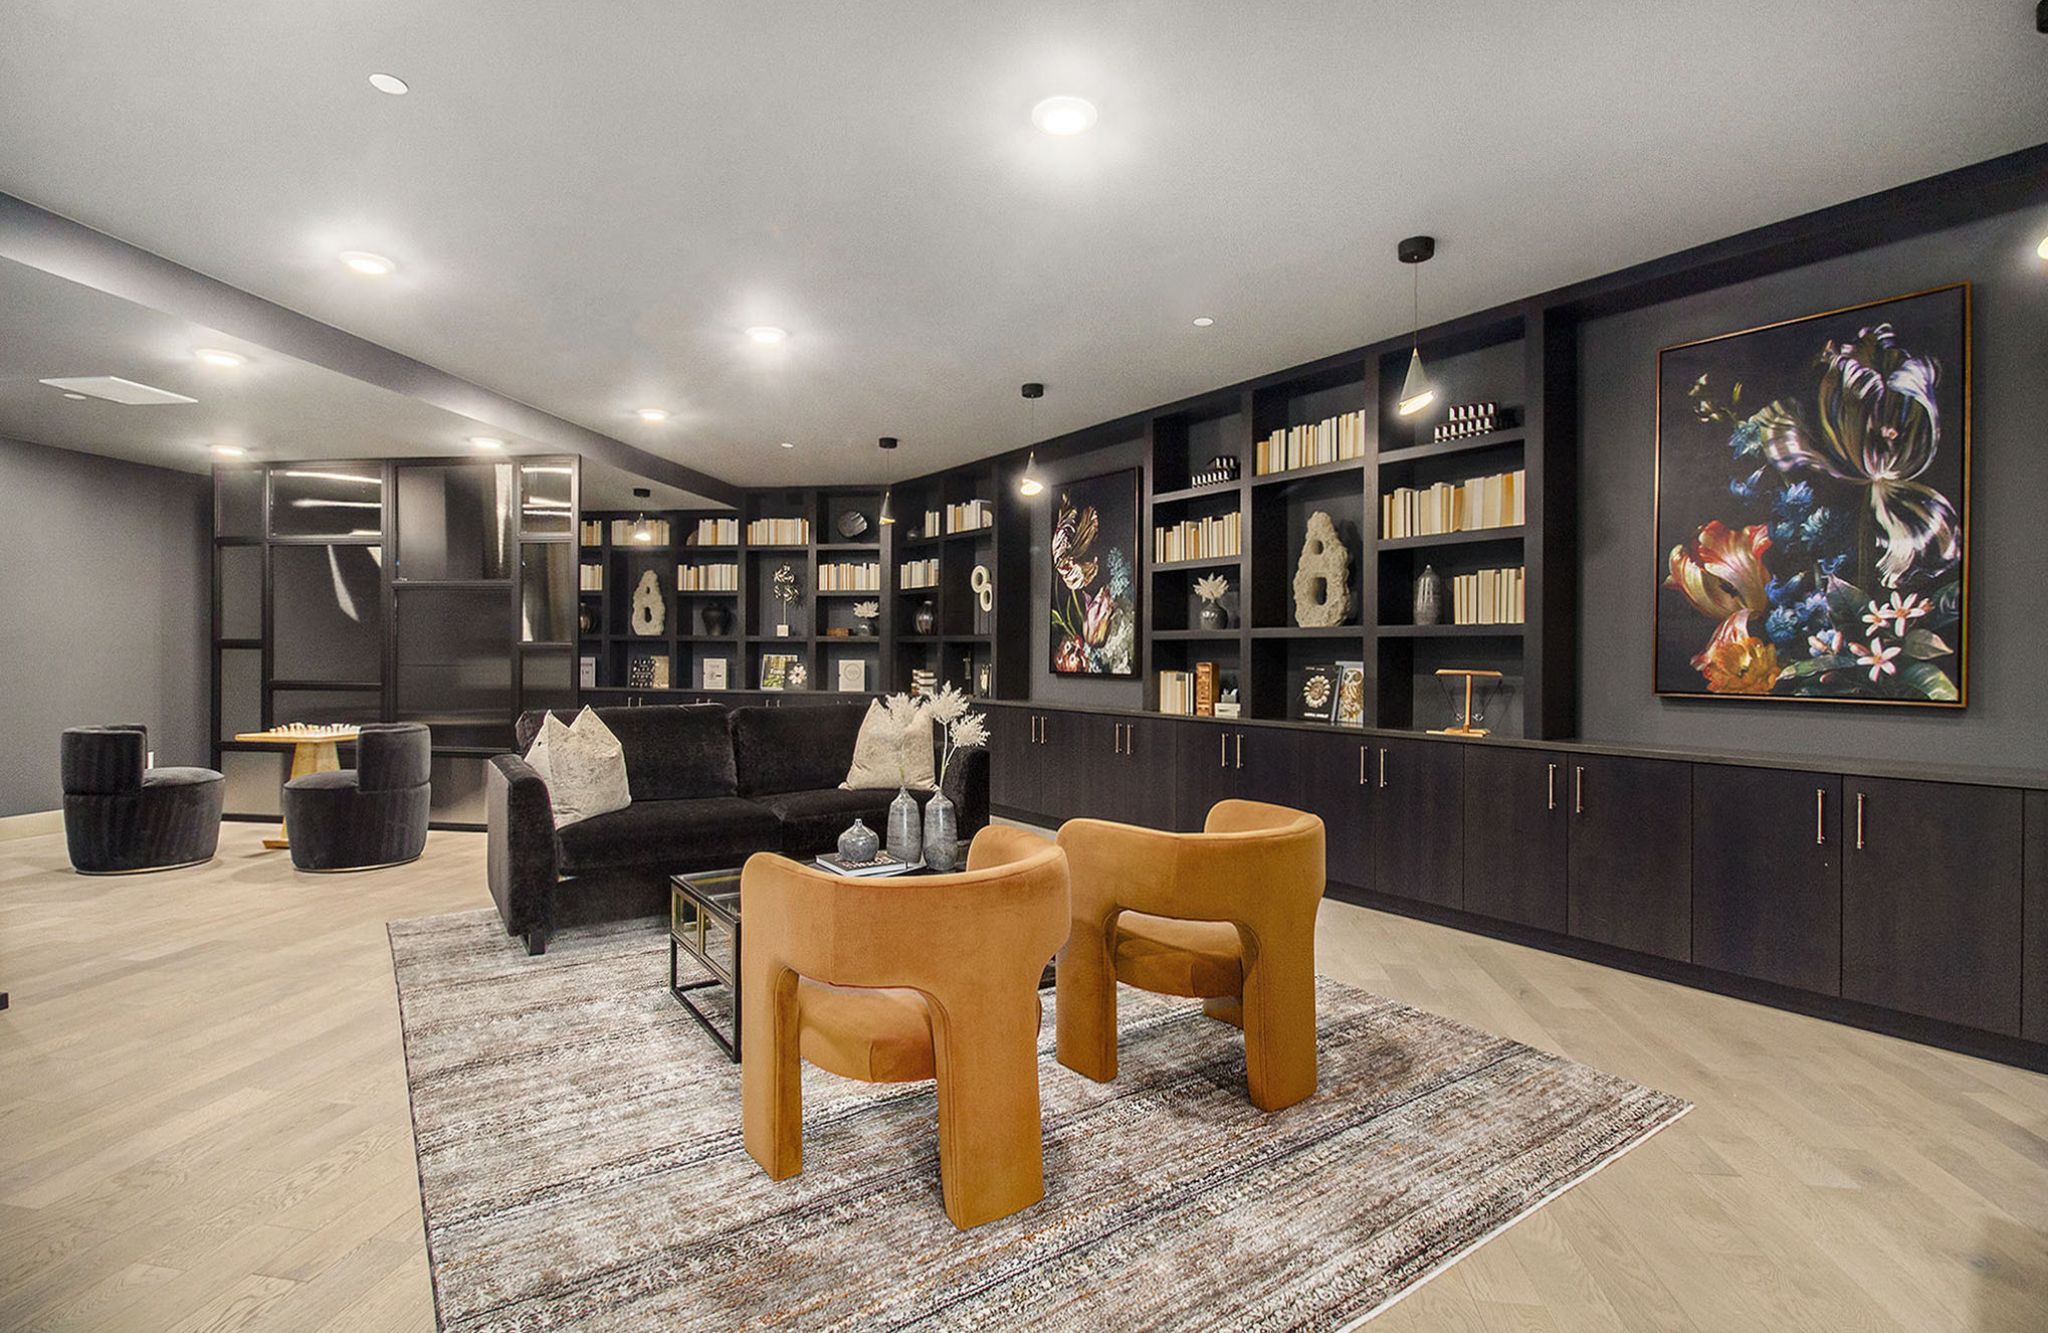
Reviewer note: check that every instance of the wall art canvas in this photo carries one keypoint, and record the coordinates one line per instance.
(1813, 507)
(1095, 577)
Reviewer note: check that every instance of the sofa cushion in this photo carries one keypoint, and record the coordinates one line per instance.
(895, 747)
(813, 820)
(673, 751)
(668, 836)
(584, 766)
(799, 748)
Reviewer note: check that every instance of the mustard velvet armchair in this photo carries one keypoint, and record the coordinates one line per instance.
(1226, 916)
(893, 980)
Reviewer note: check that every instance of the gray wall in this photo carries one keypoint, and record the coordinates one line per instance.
(2006, 722)
(105, 610)
(1047, 685)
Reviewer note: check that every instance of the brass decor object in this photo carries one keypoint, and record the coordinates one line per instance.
(1465, 728)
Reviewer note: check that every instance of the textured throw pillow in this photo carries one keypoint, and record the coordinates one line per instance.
(583, 765)
(894, 747)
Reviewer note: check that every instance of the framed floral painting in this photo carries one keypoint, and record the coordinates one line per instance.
(1813, 482)
(1095, 577)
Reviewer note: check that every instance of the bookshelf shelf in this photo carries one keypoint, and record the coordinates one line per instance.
(1452, 631)
(1474, 537)
(1208, 562)
(1196, 635)
(1217, 490)
(1309, 632)
(1336, 469)
(1415, 453)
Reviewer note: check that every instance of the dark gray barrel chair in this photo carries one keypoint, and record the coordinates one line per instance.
(369, 816)
(121, 816)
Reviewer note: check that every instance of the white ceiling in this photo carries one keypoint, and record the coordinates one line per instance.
(590, 202)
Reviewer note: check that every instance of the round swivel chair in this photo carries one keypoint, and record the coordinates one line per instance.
(122, 818)
(370, 816)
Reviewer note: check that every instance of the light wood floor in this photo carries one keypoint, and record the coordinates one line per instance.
(203, 1125)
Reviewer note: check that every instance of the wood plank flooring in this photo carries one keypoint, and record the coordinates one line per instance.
(203, 1125)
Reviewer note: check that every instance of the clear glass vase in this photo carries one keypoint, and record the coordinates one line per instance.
(904, 837)
(941, 833)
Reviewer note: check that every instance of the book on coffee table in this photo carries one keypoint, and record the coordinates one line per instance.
(883, 864)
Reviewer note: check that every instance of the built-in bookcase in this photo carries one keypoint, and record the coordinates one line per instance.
(947, 527)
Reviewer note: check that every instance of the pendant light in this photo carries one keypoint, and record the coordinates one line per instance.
(642, 530)
(1416, 390)
(885, 518)
(1030, 484)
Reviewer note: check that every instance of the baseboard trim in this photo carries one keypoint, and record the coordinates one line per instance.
(32, 825)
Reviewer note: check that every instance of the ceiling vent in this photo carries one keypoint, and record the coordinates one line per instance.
(117, 390)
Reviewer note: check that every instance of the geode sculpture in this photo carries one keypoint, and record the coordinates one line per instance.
(1322, 580)
(650, 609)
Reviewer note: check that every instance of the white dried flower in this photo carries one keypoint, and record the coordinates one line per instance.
(867, 610)
(1211, 588)
(969, 733)
(949, 706)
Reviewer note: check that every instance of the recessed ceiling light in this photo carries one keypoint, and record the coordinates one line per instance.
(389, 83)
(1203, 321)
(652, 414)
(2043, 250)
(767, 333)
(789, 444)
(230, 451)
(487, 442)
(214, 356)
(75, 397)
(1063, 115)
(362, 261)
(117, 390)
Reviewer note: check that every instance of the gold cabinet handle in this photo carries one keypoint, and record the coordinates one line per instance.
(1550, 787)
(1383, 767)
(1820, 816)
(1240, 749)
(1223, 749)
(1859, 821)
(1361, 763)
(1578, 790)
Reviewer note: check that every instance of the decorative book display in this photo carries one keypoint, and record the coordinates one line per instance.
(1496, 501)
(1468, 419)
(1331, 440)
(1199, 539)
(880, 864)
(779, 532)
(1488, 597)
(714, 673)
(1221, 469)
(1314, 696)
(853, 676)
(647, 672)
(782, 671)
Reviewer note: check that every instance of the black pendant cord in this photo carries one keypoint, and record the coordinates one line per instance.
(1415, 311)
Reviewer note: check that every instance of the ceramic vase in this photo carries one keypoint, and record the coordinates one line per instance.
(859, 843)
(941, 833)
(1214, 616)
(926, 620)
(904, 824)
(1429, 596)
(718, 619)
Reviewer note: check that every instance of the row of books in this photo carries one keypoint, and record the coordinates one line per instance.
(967, 516)
(1331, 440)
(590, 578)
(591, 532)
(1467, 419)
(1488, 597)
(779, 532)
(1199, 539)
(1189, 693)
(1497, 501)
(924, 682)
(845, 576)
(918, 574)
(707, 578)
(716, 532)
(626, 531)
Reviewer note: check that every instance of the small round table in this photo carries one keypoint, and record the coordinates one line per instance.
(314, 750)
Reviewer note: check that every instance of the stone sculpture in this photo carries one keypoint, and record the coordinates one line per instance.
(648, 608)
(1322, 580)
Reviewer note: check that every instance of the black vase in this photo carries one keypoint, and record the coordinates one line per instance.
(718, 619)
(926, 620)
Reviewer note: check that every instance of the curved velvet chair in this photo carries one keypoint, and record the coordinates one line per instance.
(1226, 916)
(369, 816)
(893, 980)
(120, 817)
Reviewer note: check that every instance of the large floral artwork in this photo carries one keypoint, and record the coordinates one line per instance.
(1812, 515)
(1094, 580)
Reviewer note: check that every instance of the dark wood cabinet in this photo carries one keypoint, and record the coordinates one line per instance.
(2034, 915)
(1117, 768)
(1515, 834)
(1931, 890)
(1629, 854)
(1418, 821)
(1334, 781)
(1013, 752)
(1218, 762)
(1767, 875)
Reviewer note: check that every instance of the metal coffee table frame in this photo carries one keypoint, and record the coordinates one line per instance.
(682, 938)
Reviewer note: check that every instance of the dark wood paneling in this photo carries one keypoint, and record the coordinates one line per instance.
(1767, 875)
(2034, 914)
(1515, 815)
(1931, 900)
(1630, 854)
(1220, 763)
(1013, 758)
(1146, 779)
(1334, 777)
(1418, 821)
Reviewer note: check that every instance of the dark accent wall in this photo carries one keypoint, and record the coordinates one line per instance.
(2006, 722)
(104, 610)
(1046, 684)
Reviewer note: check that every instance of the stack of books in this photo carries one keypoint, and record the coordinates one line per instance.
(1497, 501)
(880, 864)
(971, 516)
(1199, 539)
(1488, 597)
(1222, 468)
(707, 578)
(647, 673)
(1189, 693)
(923, 683)
(590, 578)
(845, 576)
(1467, 419)
(918, 574)
(1331, 440)
(591, 532)
(624, 529)
(779, 532)
(715, 532)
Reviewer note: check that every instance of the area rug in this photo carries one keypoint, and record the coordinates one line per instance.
(580, 1163)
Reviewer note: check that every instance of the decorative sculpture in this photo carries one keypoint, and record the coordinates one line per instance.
(1322, 581)
(984, 588)
(649, 610)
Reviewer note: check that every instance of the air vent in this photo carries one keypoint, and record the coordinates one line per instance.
(117, 390)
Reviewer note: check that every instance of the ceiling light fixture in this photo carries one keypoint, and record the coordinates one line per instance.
(652, 414)
(214, 356)
(1030, 484)
(789, 444)
(768, 334)
(2042, 250)
(885, 518)
(643, 531)
(487, 442)
(389, 83)
(311, 475)
(367, 264)
(75, 397)
(1416, 390)
(1203, 321)
(1063, 115)
(229, 451)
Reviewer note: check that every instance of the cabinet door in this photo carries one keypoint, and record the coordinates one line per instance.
(1515, 812)
(1091, 767)
(1767, 875)
(1013, 758)
(1066, 746)
(1629, 854)
(1203, 765)
(1334, 782)
(1931, 900)
(1148, 775)
(1418, 821)
(2034, 967)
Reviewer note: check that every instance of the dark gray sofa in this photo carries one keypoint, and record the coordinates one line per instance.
(710, 788)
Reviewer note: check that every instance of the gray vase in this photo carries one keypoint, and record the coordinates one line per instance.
(859, 843)
(941, 833)
(1214, 616)
(1429, 596)
(904, 823)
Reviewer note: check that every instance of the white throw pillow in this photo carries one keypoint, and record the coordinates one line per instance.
(584, 766)
(894, 747)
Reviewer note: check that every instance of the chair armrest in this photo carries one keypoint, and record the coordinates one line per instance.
(967, 783)
(520, 852)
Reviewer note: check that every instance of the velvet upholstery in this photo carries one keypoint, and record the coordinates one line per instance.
(519, 848)
(374, 814)
(673, 751)
(806, 748)
(674, 835)
(844, 972)
(120, 817)
(1227, 916)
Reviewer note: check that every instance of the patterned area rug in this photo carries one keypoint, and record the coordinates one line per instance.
(581, 1167)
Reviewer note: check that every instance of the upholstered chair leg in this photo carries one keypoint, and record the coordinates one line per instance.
(1085, 1012)
(1225, 1009)
(991, 1144)
(1279, 1025)
(771, 1075)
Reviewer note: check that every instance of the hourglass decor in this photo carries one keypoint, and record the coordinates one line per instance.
(1465, 725)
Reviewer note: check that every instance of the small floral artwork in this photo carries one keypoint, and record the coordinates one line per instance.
(1094, 582)
(1812, 523)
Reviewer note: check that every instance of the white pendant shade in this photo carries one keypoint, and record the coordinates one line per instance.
(1416, 390)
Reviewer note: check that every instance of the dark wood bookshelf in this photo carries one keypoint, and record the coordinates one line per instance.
(1469, 537)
